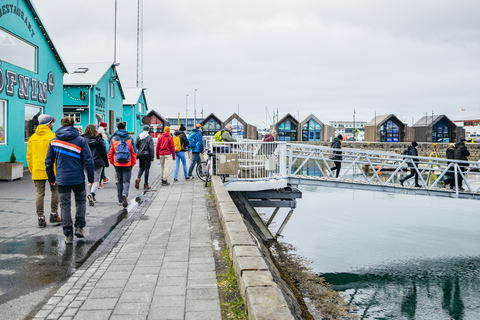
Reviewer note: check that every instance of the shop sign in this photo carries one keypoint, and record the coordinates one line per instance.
(28, 89)
(11, 8)
(99, 101)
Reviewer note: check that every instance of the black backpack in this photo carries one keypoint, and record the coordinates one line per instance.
(405, 153)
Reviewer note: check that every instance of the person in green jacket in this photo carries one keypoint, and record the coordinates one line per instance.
(37, 148)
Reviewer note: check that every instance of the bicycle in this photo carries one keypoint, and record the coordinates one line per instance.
(205, 169)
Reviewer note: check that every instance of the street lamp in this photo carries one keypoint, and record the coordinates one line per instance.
(195, 107)
(186, 110)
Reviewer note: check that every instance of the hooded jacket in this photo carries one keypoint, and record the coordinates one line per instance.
(145, 145)
(268, 138)
(70, 153)
(122, 134)
(227, 135)
(98, 150)
(461, 152)
(183, 140)
(337, 144)
(37, 149)
(195, 141)
(412, 151)
(165, 145)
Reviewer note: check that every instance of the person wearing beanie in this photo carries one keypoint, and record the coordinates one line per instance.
(165, 148)
(180, 141)
(182, 128)
(412, 164)
(337, 158)
(124, 161)
(145, 155)
(461, 153)
(37, 149)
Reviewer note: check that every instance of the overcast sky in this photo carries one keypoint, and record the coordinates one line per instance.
(300, 57)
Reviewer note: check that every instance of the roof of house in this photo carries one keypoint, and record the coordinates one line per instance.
(426, 121)
(474, 117)
(132, 95)
(380, 119)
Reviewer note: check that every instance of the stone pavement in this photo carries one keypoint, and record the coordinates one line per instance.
(158, 264)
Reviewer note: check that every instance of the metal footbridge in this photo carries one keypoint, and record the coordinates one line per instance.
(272, 165)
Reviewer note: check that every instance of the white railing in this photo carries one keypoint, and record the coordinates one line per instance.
(272, 159)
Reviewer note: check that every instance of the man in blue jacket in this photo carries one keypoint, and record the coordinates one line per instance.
(195, 139)
(70, 153)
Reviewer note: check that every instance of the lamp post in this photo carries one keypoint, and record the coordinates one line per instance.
(353, 125)
(186, 110)
(195, 107)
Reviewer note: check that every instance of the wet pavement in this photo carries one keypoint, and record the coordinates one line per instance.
(35, 262)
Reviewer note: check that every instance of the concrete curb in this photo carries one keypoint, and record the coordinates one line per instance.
(262, 296)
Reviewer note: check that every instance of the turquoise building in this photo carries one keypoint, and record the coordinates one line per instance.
(92, 93)
(134, 109)
(31, 77)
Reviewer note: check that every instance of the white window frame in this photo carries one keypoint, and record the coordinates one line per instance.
(4, 104)
(140, 107)
(16, 63)
(74, 116)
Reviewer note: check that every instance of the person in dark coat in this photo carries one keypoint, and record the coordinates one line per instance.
(450, 176)
(337, 144)
(180, 155)
(412, 164)
(461, 153)
(70, 154)
(100, 158)
(146, 155)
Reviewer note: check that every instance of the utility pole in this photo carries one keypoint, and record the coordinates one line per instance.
(186, 111)
(140, 45)
(195, 107)
(353, 125)
(115, 36)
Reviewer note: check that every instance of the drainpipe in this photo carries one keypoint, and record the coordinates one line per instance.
(89, 102)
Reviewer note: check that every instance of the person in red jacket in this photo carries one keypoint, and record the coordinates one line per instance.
(123, 163)
(165, 148)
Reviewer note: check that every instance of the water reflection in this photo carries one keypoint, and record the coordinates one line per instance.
(395, 256)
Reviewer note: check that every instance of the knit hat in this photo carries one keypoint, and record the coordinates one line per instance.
(414, 143)
(198, 125)
(340, 137)
(103, 124)
(45, 119)
(166, 129)
(146, 128)
(182, 128)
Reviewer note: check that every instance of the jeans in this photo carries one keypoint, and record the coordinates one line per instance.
(40, 196)
(195, 160)
(65, 198)
(144, 167)
(123, 184)
(413, 172)
(180, 156)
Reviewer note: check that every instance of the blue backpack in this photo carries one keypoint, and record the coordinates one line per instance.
(122, 154)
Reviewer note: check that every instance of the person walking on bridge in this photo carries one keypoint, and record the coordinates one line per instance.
(461, 153)
(412, 164)
(337, 144)
(450, 176)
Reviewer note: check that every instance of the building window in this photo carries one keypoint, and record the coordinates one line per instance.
(75, 115)
(389, 132)
(31, 119)
(117, 121)
(99, 118)
(3, 122)
(140, 107)
(287, 131)
(211, 127)
(112, 89)
(17, 51)
(311, 131)
(440, 132)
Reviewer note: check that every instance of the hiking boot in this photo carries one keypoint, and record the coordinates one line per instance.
(165, 183)
(69, 239)
(41, 222)
(79, 232)
(91, 201)
(137, 183)
(124, 201)
(105, 180)
(402, 181)
(146, 187)
(55, 218)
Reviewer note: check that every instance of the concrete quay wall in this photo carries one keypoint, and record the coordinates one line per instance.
(263, 297)
(424, 148)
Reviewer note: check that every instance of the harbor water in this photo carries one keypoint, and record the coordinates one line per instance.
(393, 256)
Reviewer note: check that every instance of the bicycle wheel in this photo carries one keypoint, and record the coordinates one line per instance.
(202, 170)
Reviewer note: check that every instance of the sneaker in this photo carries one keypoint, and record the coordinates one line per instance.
(69, 239)
(418, 186)
(146, 187)
(166, 183)
(137, 183)
(105, 180)
(100, 186)
(41, 222)
(124, 201)
(91, 202)
(79, 232)
(54, 217)
(444, 185)
(188, 178)
(175, 180)
(402, 181)
(461, 189)
(120, 204)
(90, 184)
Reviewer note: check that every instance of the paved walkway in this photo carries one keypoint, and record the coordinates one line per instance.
(156, 265)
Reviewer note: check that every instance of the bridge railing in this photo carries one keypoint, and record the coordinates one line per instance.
(258, 159)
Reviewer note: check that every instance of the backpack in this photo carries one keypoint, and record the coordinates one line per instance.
(218, 136)
(192, 140)
(177, 143)
(405, 153)
(122, 153)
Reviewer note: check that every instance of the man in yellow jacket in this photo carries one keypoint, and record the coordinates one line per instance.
(36, 153)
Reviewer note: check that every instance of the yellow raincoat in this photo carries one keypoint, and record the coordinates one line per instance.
(37, 151)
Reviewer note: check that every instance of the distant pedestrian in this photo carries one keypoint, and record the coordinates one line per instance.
(461, 153)
(105, 127)
(100, 159)
(337, 144)
(165, 148)
(270, 137)
(102, 129)
(450, 175)
(69, 153)
(122, 155)
(146, 155)
(182, 145)
(225, 135)
(195, 143)
(412, 164)
(37, 149)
